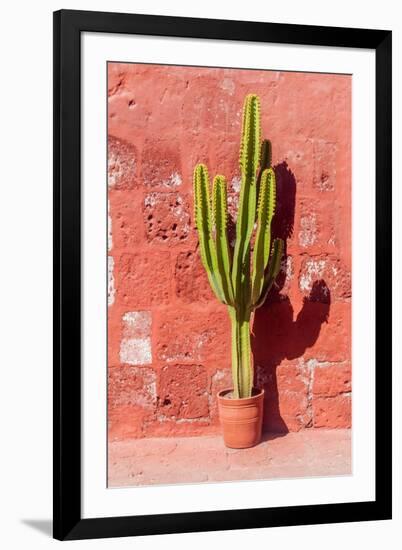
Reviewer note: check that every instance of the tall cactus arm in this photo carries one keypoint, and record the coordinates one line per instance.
(262, 245)
(265, 162)
(203, 220)
(220, 218)
(251, 137)
(273, 270)
(249, 160)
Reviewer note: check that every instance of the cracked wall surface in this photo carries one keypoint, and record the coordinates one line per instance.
(168, 337)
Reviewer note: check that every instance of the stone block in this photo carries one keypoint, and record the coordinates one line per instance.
(182, 392)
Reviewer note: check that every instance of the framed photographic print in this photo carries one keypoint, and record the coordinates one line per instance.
(222, 270)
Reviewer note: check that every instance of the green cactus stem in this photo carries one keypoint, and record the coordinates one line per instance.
(241, 280)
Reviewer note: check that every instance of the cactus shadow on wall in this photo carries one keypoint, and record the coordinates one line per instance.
(277, 337)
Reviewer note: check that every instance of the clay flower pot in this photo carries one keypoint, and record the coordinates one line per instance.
(241, 419)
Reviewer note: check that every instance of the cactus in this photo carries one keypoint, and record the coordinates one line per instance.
(242, 278)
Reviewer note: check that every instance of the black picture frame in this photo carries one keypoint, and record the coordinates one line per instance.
(67, 519)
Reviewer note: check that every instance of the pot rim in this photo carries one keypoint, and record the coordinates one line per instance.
(257, 393)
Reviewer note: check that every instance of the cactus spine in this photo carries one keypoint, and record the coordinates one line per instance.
(243, 279)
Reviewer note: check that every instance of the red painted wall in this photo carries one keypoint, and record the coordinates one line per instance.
(169, 339)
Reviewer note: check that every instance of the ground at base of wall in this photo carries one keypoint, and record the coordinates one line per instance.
(156, 461)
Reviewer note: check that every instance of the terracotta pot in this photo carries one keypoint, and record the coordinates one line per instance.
(241, 419)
